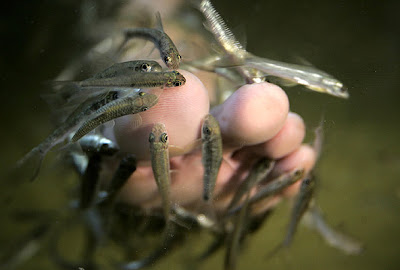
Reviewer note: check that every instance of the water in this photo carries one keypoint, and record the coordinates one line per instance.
(359, 190)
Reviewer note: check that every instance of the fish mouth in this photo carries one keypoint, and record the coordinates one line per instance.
(341, 92)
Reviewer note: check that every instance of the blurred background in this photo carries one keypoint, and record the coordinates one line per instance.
(356, 41)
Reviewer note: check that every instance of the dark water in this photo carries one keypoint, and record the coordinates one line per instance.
(359, 190)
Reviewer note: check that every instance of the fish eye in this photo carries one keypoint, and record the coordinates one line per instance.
(115, 95)
(307, 181)
(144, 109)
(164, 137)
(141, 94)
(167, 59)
(178, 83)
(104, 147)
(298, 173)
(145, 67)
(151, 137)
(179, 57)
(207, 130)
(343, 89)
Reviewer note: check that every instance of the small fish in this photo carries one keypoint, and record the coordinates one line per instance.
(273, 187)
(308, 76)
(136, 80)
(168, 51)
(96, 143)
(127, 68)
(259, 172)
(33, 159)
(334, 238)
(71, 92)
(138, 102)
(212, 154)
(158, 140)
(300, 207)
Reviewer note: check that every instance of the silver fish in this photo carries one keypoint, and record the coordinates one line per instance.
(168, 51)
(254, 67)
(212, 154)
(138, 102)
(310, 77)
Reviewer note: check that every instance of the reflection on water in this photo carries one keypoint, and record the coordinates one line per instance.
(358, 190)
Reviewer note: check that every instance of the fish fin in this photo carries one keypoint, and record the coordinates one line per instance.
(29, 165)
(60, 83)
(319, 137)
(109, 124)
(151, 51)
(173, 171)
(228, 163)
(240, 34)
(177, 150)
(280, 81)
(302, 61)
(159, 24)
(136, 120)
(215, 47)
(154, 91)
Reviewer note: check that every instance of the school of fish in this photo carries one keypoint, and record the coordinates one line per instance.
(127, 88)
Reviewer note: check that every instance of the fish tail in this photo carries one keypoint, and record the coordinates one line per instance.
(29, 165)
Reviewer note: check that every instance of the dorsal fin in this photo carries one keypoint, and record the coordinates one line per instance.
(159, 25)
